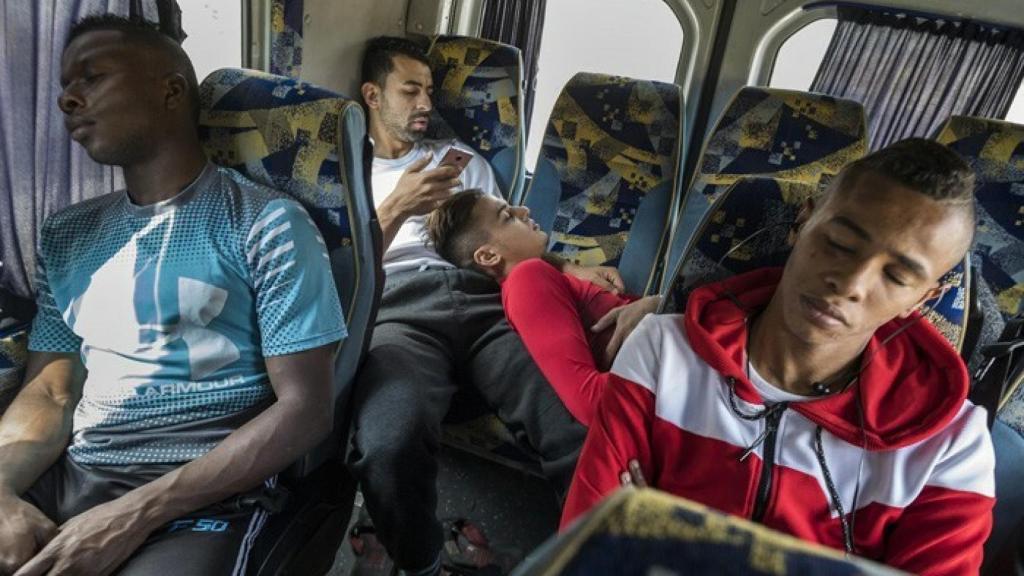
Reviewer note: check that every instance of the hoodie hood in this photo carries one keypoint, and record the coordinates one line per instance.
(911, 387)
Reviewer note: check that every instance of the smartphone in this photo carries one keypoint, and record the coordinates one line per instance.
(456, 157)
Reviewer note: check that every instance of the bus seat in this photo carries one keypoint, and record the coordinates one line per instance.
(645, 531)
(607, 176)
(310, 143)
(798, 136)
(478, 98)
(995, 149)
(13, 357)
(748, 228)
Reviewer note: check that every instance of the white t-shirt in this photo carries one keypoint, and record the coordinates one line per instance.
(410, 250)
(772, 394)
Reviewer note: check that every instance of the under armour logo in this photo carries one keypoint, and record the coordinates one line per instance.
(199, 303)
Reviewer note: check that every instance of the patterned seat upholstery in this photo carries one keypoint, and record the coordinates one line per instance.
(608, 171)
(797, 136)
(995, 149)
(310, 143)
(478, 98)
(286, 37)
(645, 532)
(13, 356)
(748, 228)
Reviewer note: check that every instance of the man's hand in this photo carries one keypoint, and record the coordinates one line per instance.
(625, 318)
(606, 277)
(96, 542)
(633, 476)
(24, 530)
(420, 191)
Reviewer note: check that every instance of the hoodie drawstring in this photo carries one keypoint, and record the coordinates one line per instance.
(832, 492)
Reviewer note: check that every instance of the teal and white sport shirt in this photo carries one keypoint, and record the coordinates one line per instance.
(174, 307)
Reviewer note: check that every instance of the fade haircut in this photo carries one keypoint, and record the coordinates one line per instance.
(454, 232)
(147, 35)
(378, 60)
(922, 165)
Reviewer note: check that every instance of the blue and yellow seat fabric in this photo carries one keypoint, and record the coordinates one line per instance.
(478, 98)
(748, 227)
(995, 149)
(790, 135)
(607, 176)
(643, 532)
(310, 143)
(603, 187)
(13, 357)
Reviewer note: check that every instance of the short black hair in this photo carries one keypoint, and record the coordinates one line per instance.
(149, 35)
(921, 165)
(924, 166)
(378, 60)
(452, 230)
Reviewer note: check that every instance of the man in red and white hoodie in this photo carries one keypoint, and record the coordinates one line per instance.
(815, 399)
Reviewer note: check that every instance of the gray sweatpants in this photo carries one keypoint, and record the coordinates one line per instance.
(438, 330)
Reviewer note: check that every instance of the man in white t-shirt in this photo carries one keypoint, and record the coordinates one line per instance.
(439, 328)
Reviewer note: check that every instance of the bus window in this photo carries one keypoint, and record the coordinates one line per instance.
(214, 31)
(635, 38)
(1016, 113)
(801, 54)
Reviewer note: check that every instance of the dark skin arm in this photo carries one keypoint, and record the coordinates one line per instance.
(33, 433)
(102, 538)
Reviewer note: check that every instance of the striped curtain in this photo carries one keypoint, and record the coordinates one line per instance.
(912, 72)
(519, 23)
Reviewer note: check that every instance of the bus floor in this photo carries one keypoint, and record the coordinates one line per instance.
(516, 511)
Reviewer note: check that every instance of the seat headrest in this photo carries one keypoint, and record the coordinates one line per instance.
(787, 134)
(289, 135)
(478, 99)
(611, 141)
(995, 149)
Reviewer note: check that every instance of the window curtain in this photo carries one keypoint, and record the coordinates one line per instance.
(912, 72)
(41, 169)
(519, 23)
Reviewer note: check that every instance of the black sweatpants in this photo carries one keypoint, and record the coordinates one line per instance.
(438, 330)
(214, 541)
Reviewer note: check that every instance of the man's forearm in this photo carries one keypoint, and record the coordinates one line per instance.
(33, 433)
(390, 223)
(261, 448)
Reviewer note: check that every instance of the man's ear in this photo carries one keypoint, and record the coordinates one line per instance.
(371, 94)
(936, 292)
(176, 89)
(806, 209)
(488, 259)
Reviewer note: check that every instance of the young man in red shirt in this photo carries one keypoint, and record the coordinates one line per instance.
(814, 399)
(565, 322)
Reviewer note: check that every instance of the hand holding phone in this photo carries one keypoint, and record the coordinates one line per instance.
(457, 158)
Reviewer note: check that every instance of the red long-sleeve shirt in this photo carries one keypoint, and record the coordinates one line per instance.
(553, 313)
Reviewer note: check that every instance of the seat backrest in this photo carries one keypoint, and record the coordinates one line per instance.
(478, 99)
(651, 532)
(748, 228)
(995, 149)
(310, 143)
(785, 134)
(13, 357)
(608, 173)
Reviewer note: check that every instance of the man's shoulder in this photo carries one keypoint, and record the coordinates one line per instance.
(248, 200)
(86, 214)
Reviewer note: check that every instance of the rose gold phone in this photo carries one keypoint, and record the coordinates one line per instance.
(456, 157)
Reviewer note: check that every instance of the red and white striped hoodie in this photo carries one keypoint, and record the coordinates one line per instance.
(927, 482)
